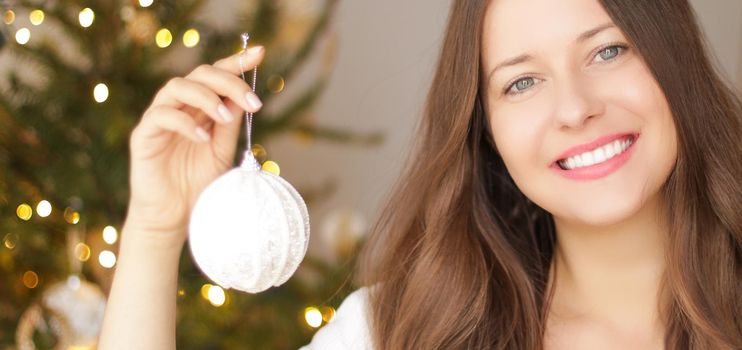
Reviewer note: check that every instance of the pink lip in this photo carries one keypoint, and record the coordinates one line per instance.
(597, 170)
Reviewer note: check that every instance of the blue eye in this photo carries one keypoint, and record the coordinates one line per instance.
(520, 85)
(611, 52)
(607, 53)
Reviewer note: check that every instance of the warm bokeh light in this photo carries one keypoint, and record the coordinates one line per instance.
(86, 17)
(44, 208)
(328, 313)
(24, 212)
(9, 17)
(36, 17)
(205, 291)
(71, 216)
(191, 38)
(276, 83)
(216, 296)
(10, 240)
(271, 167)
(82, 252)
(313, 317)
(107, 259)
(30, 279)
(110, 235)
(145, 3)
(100, 93)
(22, 36)
(181, 292)
(259, 152)
(163, 38)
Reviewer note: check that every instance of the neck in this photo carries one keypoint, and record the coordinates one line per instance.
(612, 273)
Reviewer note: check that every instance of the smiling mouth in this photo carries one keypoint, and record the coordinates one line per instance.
(598, 155)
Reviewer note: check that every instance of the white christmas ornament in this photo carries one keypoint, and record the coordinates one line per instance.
(249, 229)
(75, 311)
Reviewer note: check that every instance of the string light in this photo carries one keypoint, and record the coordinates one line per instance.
(328, 313)
(107, 259)
(22, 36)
(44, 208)
(86, 17)
(36, 17)
(100, 93)
(10, 240)
(216, 295)
(313, 317)
(82, 252)
(191, 38)
(259, 152)
(30, 279)
(145, 3)
(276, 83)
(271, 167)
(205, 291)
(9, 17)
(24, 212)
(163, 38)
(71, 216)
(110, 235)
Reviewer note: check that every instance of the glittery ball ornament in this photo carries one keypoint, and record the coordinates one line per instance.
(249, 229)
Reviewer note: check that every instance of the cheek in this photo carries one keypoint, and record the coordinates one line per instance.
(638, 95)
(519, 133)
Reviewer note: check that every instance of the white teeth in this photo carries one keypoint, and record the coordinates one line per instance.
(610, 151)
(598, 155)
(587, 159)
(571, 163)
(617, 147)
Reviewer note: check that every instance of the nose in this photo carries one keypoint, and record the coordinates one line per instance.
(576, 102)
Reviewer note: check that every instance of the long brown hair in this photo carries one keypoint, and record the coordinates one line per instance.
(460, 258)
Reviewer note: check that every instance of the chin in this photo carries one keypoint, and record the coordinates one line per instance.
(600, 213)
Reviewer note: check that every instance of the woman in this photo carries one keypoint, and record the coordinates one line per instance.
(576, 185)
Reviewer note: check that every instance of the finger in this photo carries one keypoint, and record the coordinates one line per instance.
(180, 92)
(250, 58)
(226, 84)
(159, 120)
(225, 135)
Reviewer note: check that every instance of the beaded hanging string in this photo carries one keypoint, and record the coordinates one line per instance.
(248, 115)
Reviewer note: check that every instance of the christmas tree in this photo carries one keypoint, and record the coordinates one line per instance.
(76, 77)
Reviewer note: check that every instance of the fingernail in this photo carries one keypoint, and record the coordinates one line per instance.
(225, 113)
(252, 100)
(255, 49)
(202, 134)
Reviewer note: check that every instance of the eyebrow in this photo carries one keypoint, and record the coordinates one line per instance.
(526, 57)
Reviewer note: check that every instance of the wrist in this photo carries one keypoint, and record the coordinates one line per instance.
(143, 232)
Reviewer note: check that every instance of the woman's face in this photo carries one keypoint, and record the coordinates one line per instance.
(582, 126)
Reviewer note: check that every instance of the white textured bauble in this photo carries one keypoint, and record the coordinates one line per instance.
(249, 229)
(75, 311)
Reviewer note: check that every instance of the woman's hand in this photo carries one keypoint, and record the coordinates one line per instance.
(186, 139)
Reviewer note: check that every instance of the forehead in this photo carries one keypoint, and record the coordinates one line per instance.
(515, 26)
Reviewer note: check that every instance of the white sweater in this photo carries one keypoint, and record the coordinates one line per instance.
(348, 329)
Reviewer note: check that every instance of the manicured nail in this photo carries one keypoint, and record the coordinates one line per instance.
(252, 100)
(255, 49)
(202, 134)
(225, 113)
